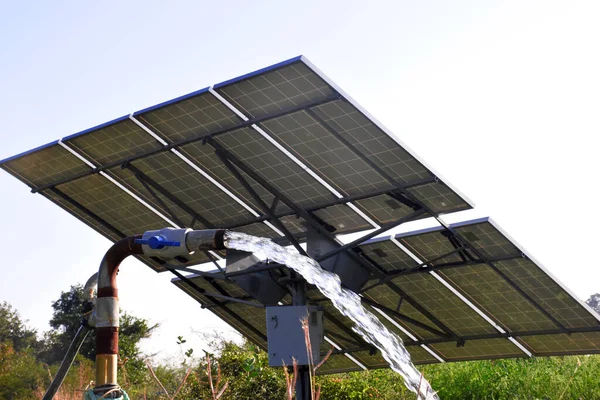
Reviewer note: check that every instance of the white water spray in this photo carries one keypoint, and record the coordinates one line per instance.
(346, 301)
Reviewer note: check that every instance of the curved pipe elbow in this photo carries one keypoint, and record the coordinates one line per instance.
(107, 274)
(106, 317)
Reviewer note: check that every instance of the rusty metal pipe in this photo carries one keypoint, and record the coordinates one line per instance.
(106, 315)
(165, 243)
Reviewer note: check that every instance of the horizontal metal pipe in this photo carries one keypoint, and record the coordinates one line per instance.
(205, 239)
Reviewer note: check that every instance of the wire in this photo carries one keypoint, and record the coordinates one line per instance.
(67, 361)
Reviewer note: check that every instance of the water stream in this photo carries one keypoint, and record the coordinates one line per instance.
(347, 302)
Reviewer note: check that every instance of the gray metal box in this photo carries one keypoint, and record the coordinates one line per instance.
(286, 336)
(259, 285)
(352, 274)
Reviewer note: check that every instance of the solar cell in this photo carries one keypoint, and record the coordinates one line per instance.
(245, 317)
(478, 349)
(439, 198)
(385, 208)
(185, 184)
(275, 90)
(386, 255)
(197, 115)
(46, 164)
(326, 154)
(544, 290)
(488, 288)
(258, 229)
(488, 240)
(337, 363)
(497, 298)
(110, 203)
(417, 354)
(428, 246)
(576, 343)
(113, 141)
(387, 299)
(264, 158)
(344, 119)
(342, 218)
(428, 292)
(207, 159)
(337, 327)
(108, 232)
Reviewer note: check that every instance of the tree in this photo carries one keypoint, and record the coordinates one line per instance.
(19, 370)
(66, 320)
(20, 373)
(14, 330)
(594, 302)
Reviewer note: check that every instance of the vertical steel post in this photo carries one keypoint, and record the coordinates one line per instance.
(303, 387)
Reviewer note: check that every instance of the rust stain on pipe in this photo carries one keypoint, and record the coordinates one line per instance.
(107, 340)
(107, 275)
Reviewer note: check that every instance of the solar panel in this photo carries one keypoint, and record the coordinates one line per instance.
(250, 321)
(490, 319)
(199, 113)
(116, 140)
(44, 165)
(283, 151)
(185, 184)
(301, 138)
(480, 279)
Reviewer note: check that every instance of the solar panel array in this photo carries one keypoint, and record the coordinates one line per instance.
(282, 149)
(286, 123)
(488, 319)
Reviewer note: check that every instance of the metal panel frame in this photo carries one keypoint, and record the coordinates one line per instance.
(503, 331)
(541, 267)
(384, 129)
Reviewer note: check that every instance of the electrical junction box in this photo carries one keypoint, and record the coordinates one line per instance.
(286, 337)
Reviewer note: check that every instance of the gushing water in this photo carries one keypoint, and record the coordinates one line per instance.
(346, 301)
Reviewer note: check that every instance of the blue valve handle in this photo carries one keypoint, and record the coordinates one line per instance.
(157, 242)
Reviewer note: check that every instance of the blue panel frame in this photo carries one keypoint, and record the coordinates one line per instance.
(426, 230)
(25, 153)
(157, 106)
(95, 128)
(470, 222)
(259, 71)
(172, 101)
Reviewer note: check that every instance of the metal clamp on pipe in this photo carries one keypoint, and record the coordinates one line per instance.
(89, 317)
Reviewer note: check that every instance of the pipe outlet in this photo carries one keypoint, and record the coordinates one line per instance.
(169, 243)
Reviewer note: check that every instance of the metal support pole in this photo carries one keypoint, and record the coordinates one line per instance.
(303, 387)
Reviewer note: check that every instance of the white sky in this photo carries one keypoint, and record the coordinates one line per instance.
(501, 98)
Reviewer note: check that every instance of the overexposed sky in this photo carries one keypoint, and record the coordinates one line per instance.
(502, 98)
